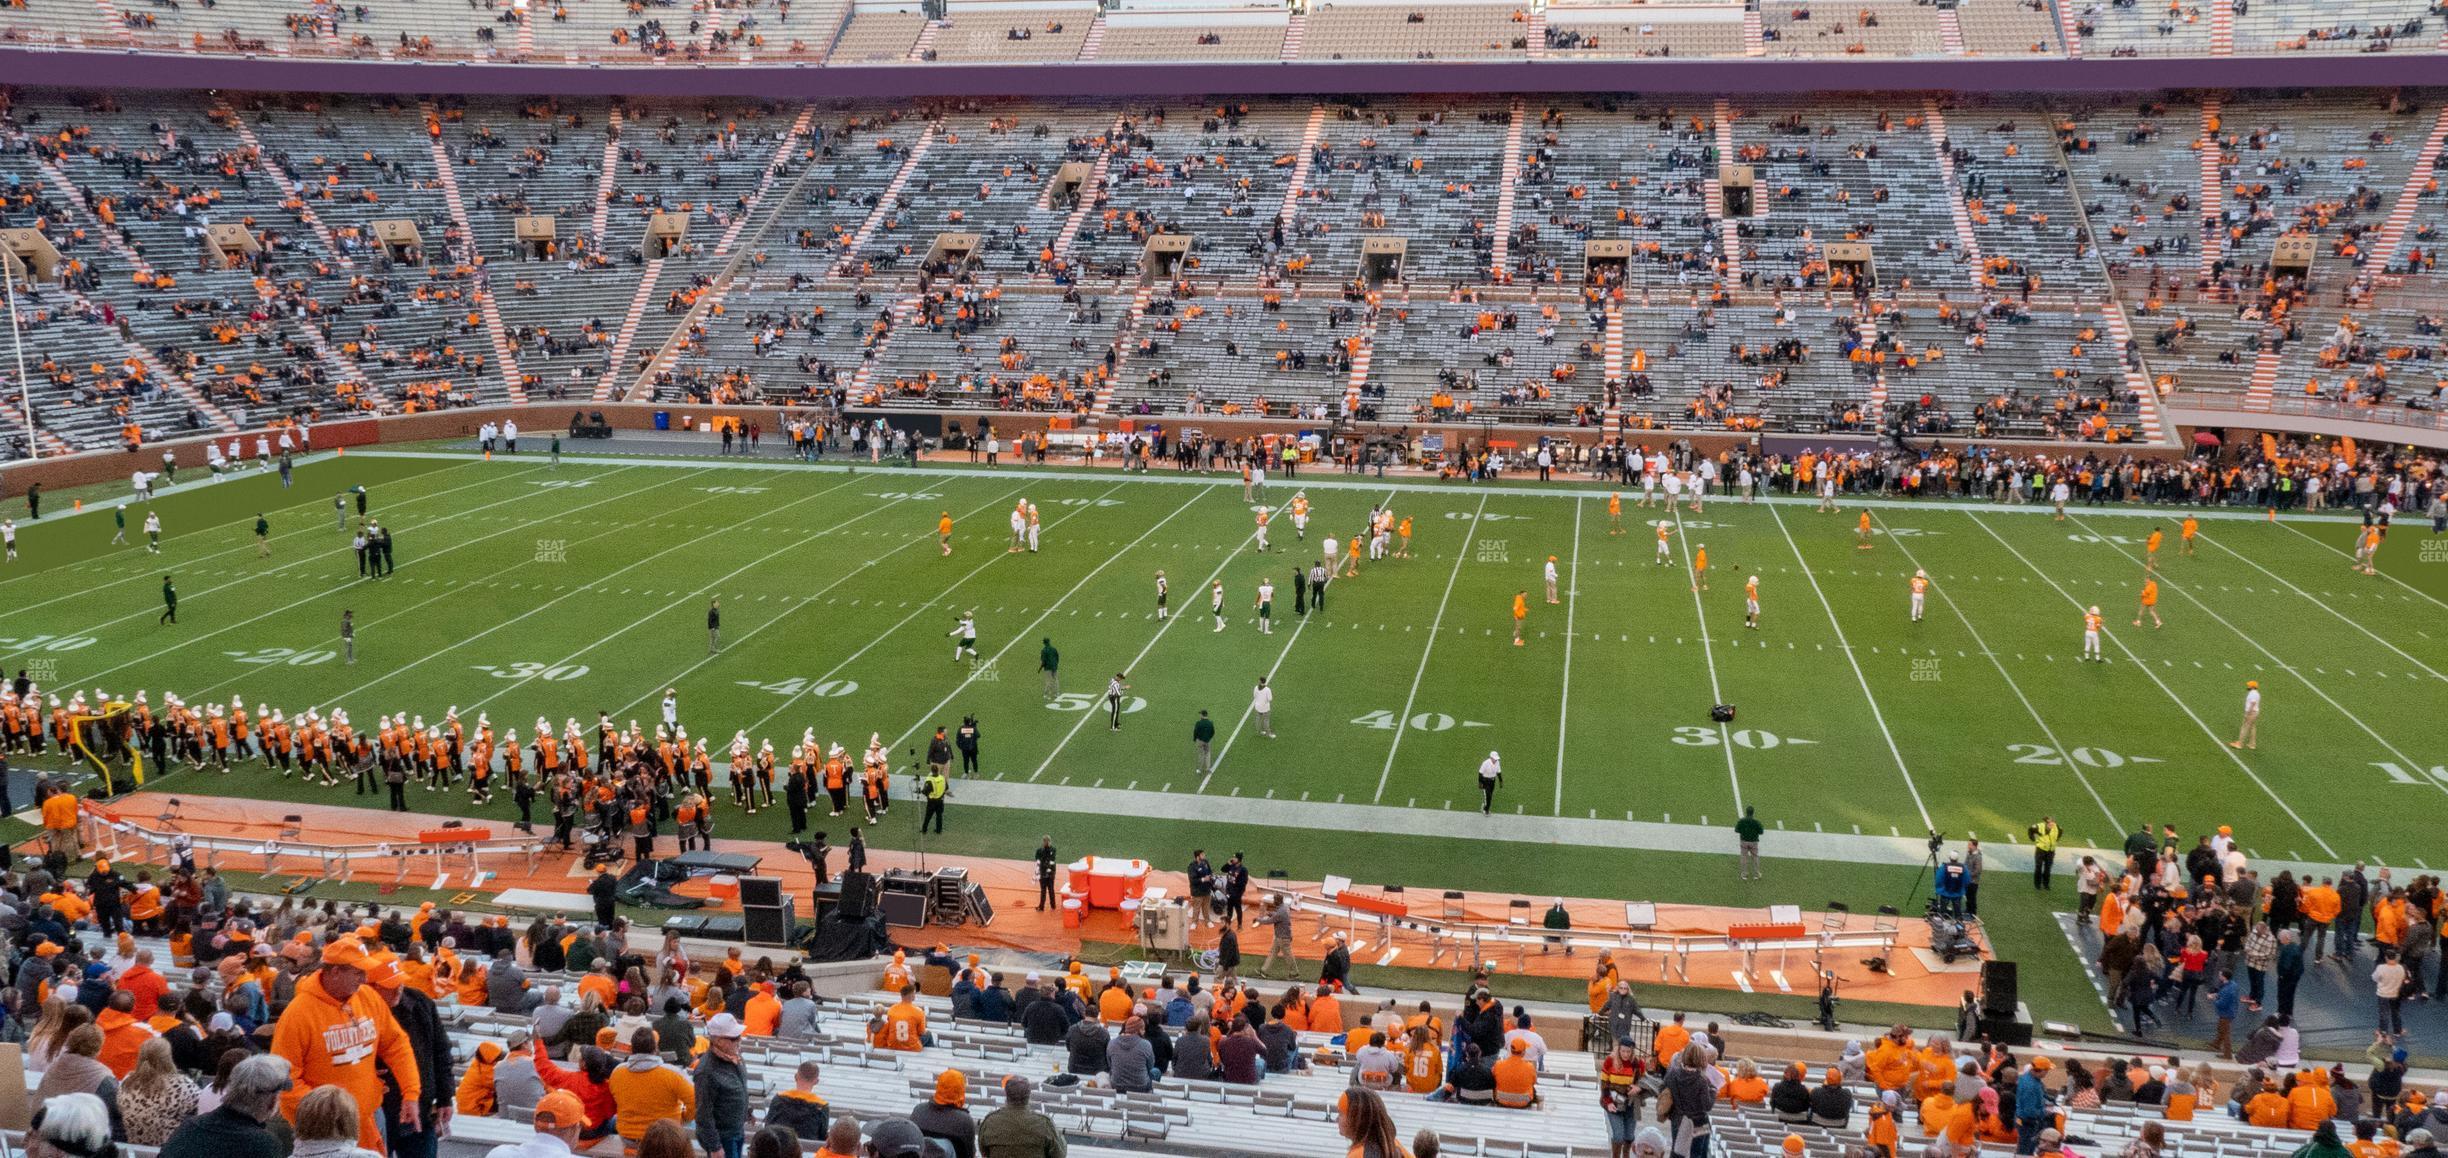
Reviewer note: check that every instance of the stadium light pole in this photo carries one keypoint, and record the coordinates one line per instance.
(25, 387)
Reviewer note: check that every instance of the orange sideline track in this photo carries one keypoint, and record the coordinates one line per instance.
(1011, 886)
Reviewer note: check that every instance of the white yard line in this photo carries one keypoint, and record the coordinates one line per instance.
(1251, 709)
(1402, 723)
(926, 606)
(1708, 653)
(2275, 662)
(292, 605)
(120, 560)
(2114, 825)
(1572, 603)
(1042, 616)
(1853, 661)
(2216, 741)
(1153, 639)
(573, 593)
(2350, 621)
(2289, 524)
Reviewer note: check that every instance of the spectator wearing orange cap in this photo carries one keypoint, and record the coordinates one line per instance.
(559, 1119)
(429, 1041)
(1516, 1077)
(334, 1031)
(763, 1013)
(944, 1117)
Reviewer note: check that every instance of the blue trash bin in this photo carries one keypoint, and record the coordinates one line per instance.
(662, 420)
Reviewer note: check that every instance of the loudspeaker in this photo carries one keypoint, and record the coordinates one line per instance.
(1998, 988)
(755, 891)
(975, 905)
(2006, 1030)
(858, 892)
(904, 910)
(771, 924)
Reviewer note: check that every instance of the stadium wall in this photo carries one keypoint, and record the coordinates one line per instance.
(137, 69)
(540, 421)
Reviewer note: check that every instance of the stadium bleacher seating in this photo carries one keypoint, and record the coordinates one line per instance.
(2171, 206)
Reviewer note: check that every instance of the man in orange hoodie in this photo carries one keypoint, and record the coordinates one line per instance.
(333, 1033)
(123, 1033)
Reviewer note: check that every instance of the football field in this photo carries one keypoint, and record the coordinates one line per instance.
(527, 591)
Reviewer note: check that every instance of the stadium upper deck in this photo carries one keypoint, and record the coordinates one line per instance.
(945, 47)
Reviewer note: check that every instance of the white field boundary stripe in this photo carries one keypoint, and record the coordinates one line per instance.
(1572, 604)
(2290, 525)
(119, 560)
(714, 586)
(2275, 662)
(2215, 740)
(2348, 620)
(811, 597)
(103, 506)
(1154, 638)
(1251, 709)
(1042, 616)
(1402, 723)
(930, 603)
(573, 593)
(451, 592)
(1708, 654)
(2050, 734)
(1855, 663)
(1423, 486)
(344, 585)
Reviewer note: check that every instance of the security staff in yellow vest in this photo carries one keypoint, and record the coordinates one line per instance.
(933, 788)
(2044, 836)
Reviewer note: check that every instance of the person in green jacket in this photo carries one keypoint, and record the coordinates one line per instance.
(1049, 662)
(169, 602)
(1746, 838)
(1016, 1131)
(263, 537)
(1202, 735)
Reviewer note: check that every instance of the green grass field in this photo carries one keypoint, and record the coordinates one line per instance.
(524, 590)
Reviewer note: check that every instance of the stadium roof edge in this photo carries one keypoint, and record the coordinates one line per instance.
(31, 66)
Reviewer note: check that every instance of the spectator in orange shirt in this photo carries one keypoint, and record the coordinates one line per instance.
(904, 1025)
